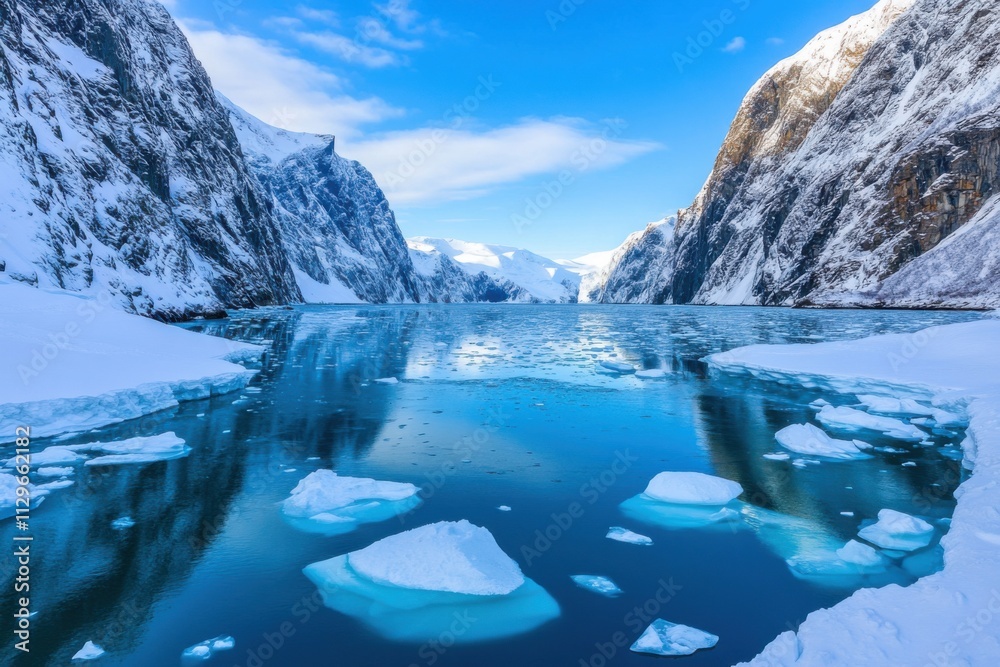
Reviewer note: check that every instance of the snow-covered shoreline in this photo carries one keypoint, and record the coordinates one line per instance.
(953, 616)
(73, 363)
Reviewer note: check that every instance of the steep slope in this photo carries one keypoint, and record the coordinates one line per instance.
(120, 174)
(623, 278)
(340, 234)
(499, 273)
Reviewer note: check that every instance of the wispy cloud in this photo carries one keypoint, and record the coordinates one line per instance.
(433, 165)
(736, 45)
(279, 87)
(349, 50)
(775, 41)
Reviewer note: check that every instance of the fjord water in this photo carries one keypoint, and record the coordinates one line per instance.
(495, 406)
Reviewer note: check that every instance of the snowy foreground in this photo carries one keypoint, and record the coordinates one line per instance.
(949, 618)
(73, 363)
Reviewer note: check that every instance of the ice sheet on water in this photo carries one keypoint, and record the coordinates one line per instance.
(619, 534)
(618, 367)
(849, 419)
(416, 585)
(692, 488)
(898, 531)
(812, 441)
(670, 639)
(908, 407)
(163, 447)
(597, 584)
(327, 503)
(90, 651)
(206, 649)
(387, 381)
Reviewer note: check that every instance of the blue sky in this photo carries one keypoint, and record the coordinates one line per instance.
(559, 126)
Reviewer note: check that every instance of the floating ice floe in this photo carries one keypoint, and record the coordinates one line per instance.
(597, 584)
(415, 585)
(90, 651)
(898, 531)
(652, 374)
(862, 555)
(50, 456)
(811, 441)
(618, 367)
(9, 485)
(692, 488)
(123, 523)
(671, 639)
(619, 534)
(387, 381)
(504, 508)
(163, 447)
(684, 500)
(907, 407)
(849, 419)
(778, 456)
(206, 649)
(54, 471)
(325, 502)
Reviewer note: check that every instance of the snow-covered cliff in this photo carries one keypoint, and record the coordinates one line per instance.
(848, 170)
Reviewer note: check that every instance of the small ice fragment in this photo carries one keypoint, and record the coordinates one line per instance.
(898, 531)
(90, 651)
(204, 650)
(504, 508)
(54, 471)
(819, 404)
(861, 555)
(849, 419)
(619, 534)
(651, 374)
(847, 514)
(692, 488)
(290, 469)
(778, 456)
(910, 464)
(387, 381)
(618, 367)
(123, 523)
(670, 639)
(812, 441)
(597, 584)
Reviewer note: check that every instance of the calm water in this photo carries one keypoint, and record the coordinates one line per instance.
(497, 405)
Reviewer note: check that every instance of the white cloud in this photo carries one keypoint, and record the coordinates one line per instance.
(349, 50)
(433, 165)
(326, 16)
(280, 88)
(736, 45)
(400, 13)
(775, 41)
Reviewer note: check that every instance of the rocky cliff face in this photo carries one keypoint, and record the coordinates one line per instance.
(120, 173)
(846, 172)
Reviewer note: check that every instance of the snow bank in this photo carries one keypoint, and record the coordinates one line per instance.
(327, 503)
(414, 585)
(849, 419)
(811, 441)
(692, 488)
(73, 363)
(670, 639)
(926, 623)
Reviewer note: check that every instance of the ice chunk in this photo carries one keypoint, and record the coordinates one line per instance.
(387, 381)
(163, 447)
(415, 585)
(123, 523)
(618, 367)
(898, 531)
(504, 508)
(50, 456)
(673, 516)
(907, 407)
(90, 651)
(597, 584)
(328, 503)
(778, 456)
(206, 649)
(862, 555)
(619, 534)
(8, 494)
(652, 374)
(849, 419)
(54, 471)
(692, 488)
(452, 557)
(670, 639)
(812, 441)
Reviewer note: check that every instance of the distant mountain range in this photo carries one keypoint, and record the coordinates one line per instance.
(859, 172)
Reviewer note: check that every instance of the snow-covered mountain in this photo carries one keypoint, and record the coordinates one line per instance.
(462, 271)
(120, 173)
(860, 170)
(615, 278)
